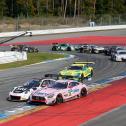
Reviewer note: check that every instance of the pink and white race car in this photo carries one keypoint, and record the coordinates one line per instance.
(61, 91)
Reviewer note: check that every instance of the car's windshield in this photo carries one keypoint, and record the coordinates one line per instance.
(75, 68)
(63, 45)
(31, 83)
(59, 85)
(120, 49)
(122, 53)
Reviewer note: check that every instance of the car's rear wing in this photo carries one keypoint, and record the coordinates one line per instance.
(54, 76)
(90, 64)
(84, 62)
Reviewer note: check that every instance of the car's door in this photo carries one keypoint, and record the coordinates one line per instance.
(73, 89)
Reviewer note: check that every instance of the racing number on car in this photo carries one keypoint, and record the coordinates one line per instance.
(70, 92)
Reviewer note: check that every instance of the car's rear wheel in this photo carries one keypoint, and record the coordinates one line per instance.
(54, 48)
(59, 99)
(69, 49)
(83, 92)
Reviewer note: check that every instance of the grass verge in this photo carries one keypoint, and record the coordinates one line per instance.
(32, 58)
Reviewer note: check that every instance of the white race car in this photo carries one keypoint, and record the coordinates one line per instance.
(61, 91)
(119, 55)
(22, 93)
(98, 49)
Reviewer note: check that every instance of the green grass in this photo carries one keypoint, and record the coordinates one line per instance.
(32, 58)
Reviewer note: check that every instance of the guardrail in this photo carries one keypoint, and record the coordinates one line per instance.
(64, 30)
(12, 56)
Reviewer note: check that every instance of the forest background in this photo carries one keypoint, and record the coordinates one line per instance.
(42, 14)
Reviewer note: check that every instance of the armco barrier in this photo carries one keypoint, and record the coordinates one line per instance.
(64, 30)
(11, 56)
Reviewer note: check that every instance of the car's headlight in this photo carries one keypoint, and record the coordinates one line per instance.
(50, 95)
(26, 91)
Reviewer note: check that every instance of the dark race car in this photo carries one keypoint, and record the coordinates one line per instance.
(26, 48)
(62, 47)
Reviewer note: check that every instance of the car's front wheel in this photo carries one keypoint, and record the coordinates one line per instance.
(69, 49)
(59, 99)
(82, 78)
(91, 73)
(8, 99)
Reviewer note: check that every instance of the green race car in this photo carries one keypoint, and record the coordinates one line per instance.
(77, 71)
(62, 47)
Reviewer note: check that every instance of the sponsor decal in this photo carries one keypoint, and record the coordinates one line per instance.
(72, 91)
(76, 90)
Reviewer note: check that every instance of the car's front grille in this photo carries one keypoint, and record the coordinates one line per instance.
(15, 97)
(38, 98)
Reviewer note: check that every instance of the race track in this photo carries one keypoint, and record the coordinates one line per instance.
(104, 68)
(9, 78)
(76, 112)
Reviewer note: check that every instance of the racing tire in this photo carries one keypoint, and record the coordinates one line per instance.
(81, 50)
(83, 92)
(8, 99)
(54, 48)
(30, 51)
(59, 99)
(82, 79)
(91, 75)
(29, 102)
(36, 50)
(69, 49)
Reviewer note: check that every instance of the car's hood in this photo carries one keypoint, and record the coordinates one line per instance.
(20, 89)
(70, 72)
(44, 91)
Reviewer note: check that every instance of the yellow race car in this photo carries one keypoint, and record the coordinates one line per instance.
(78, 71)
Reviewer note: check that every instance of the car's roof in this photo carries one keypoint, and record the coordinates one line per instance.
(34, 79)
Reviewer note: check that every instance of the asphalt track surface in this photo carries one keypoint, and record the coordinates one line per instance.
(75, 112)
(13, 77)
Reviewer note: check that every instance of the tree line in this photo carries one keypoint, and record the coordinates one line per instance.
(62, 8)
